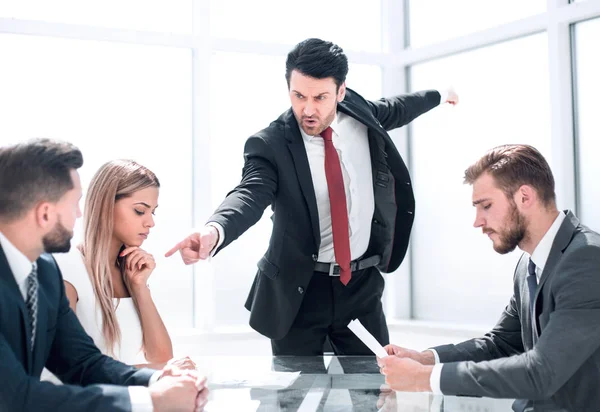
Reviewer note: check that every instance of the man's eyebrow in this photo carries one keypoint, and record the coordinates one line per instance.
(478, 201)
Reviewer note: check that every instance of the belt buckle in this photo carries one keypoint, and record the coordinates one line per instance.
(332, 268)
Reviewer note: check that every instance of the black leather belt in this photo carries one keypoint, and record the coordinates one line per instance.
(333, 269)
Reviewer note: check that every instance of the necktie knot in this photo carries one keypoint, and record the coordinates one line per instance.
(327, 134)
(531, 268)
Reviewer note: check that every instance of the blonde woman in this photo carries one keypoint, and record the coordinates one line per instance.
(106, 276)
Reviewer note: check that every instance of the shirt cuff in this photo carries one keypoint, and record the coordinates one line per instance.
(443, 96)
(221, 232)
(140, 399)
(155, 377)
(435, 378)
(435, 355)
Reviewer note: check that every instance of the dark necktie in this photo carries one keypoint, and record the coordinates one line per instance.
(339, 210)
(32, 301)
(532, 284)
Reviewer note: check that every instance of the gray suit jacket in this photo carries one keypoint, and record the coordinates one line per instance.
(555, 361)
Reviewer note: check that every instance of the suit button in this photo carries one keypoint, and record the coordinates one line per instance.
(300, 290)
(315, 257)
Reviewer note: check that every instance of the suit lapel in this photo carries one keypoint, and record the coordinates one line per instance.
(359, 114)
(561, 242)
(298, 151)
(377, 138)
(15, 294)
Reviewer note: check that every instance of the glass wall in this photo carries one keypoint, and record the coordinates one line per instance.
(184, 106)
(457, 276)
(112, 101)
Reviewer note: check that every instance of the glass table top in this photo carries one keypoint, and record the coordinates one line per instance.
(309, 384)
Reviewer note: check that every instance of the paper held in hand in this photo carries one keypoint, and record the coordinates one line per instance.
(359, 330)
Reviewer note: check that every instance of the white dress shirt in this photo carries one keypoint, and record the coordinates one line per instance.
(21, 267)
(540, 257)
(352, 144)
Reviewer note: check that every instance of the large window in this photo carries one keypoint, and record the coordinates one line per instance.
(112, 101)
(184, 104)
(504, 99)
(432, 21)
(587, 82)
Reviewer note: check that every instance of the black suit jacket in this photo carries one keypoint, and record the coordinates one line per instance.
(277, 173)
(62, 346)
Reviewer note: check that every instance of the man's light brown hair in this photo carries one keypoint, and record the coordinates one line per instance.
(515, 165)
(35, 171)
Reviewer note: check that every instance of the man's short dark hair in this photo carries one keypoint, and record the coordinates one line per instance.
(514, 165)
(33, 172)
(318, 59)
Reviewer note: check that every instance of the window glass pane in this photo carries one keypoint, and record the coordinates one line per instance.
(352, 24)
(457, 275)
(247, 93)
(112, 101)
(365, 79)
(151, 15)
(432, 21)
(587, 67)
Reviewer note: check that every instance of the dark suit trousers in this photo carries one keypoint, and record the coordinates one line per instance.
(327, 308)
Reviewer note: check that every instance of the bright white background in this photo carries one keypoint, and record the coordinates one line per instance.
(180, 85)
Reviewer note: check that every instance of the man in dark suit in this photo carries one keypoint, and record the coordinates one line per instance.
(545, 349)
(39, 203)
(342, 201)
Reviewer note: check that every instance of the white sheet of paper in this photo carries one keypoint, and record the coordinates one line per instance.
(266, 380)
(359, 330)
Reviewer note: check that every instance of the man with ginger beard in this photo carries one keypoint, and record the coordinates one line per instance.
(545, 349)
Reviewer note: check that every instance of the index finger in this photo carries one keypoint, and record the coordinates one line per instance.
(128, 250)
(174, 249)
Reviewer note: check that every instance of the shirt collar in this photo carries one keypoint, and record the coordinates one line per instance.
(334, 126)
(19, 263)
(542, 250)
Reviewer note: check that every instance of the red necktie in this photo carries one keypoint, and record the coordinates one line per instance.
(339, 210)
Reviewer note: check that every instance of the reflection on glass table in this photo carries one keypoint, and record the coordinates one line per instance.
(329, 383)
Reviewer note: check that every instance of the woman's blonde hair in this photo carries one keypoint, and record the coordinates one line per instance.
(115, 180)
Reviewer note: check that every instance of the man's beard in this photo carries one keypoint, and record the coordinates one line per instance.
(58, 240)
(318, 128)
(513, 234)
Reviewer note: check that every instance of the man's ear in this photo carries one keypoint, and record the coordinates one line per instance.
(44, 215)
(525, 196)
(341, 92)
